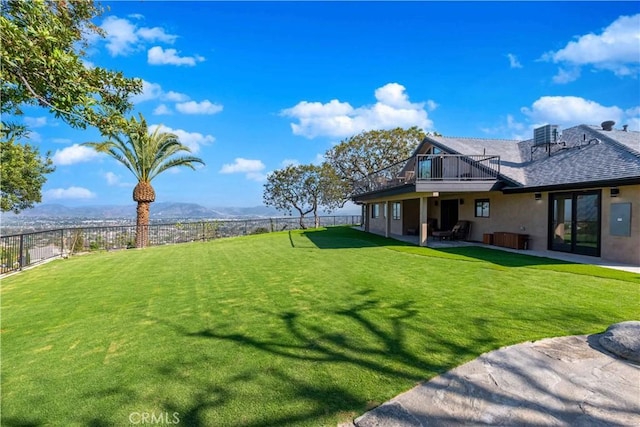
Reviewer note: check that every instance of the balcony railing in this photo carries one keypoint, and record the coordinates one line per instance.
(431, 167)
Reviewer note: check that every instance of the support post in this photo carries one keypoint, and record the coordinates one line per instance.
(367, 215)
(387, 219)
(423, 221)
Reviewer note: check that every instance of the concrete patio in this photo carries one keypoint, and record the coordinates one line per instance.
(435, 243)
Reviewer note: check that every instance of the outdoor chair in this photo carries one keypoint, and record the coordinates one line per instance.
(460, 231)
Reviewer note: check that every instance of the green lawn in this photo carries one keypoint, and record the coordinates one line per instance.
(301, 328)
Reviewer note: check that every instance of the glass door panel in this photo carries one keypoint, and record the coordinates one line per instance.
(587, 231)
(575, 223)
(562, 223)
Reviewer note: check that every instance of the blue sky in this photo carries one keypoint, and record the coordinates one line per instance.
(251, 87)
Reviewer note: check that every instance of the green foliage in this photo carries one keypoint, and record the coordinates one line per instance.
(330, 322)
(296, 187)
(22, 172)
(360, 155)
(145, 154)
(260, 230)
(77, 241)
(42, 45)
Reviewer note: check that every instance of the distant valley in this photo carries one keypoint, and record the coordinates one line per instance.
(158, 211)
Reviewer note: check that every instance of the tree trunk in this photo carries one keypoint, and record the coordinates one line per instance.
(316, 219)
(142, 224)
(302, 226)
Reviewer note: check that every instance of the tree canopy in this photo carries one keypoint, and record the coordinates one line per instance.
(297, 187)
(42, 45)
(22, 173)
(365, 153)
(146, 154)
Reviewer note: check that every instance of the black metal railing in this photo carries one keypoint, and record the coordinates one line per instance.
(431, 167)
(18, 251)
(455, 167)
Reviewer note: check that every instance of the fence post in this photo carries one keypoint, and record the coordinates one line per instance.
(204, 235)
(21, 256)
(62, 242)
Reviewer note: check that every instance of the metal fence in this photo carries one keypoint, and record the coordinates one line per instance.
(22, 250)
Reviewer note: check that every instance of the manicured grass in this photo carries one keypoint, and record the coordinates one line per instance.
(301, 328)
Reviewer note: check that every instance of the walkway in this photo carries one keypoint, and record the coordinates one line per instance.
(565, 381)
(563, 256)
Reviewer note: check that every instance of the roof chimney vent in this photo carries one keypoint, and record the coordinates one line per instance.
(608, 125)
(624, 128)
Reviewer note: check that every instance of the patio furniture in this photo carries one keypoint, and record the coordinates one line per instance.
(460, 231)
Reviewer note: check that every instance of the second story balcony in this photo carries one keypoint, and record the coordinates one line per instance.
(435, 172)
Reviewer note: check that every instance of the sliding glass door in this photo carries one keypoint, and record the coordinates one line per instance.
(574, 221)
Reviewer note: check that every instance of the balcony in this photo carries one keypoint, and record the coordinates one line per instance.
(435, 172)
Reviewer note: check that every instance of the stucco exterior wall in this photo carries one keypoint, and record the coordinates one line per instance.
(520, 213)
(377, 224)
(624, 249)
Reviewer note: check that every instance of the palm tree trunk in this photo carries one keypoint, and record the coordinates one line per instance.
(142, 224)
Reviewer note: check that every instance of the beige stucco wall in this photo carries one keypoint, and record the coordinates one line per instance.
(621, 248)
(521, 213)
(377, 224)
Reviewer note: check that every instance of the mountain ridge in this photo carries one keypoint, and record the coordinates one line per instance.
(158, 210)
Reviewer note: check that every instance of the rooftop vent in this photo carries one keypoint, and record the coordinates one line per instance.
(608, 125)
(547, 134)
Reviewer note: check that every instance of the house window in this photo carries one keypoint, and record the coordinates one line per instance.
(396, 210)
(375, 210)
(482, 208)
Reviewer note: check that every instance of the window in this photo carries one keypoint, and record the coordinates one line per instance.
(482, 208)
(375, 210)
(396, 210)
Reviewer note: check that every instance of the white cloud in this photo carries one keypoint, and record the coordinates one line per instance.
(159, 56)
(566, 76)
(74, 154)
(253, 169)
(616, 49)
(35, 122)
(193, 140)
(241, 165)
(340, 119)
(69, 193)
(115, 180)
(124, 37)
(65, 141)
(204, 107)
(153, 91)
(156, 34)
(570, 111)
(162, 110)
(175, 96)
(513, 61)
(112, 178)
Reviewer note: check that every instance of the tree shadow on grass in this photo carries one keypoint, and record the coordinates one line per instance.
(338, 238)
(385, 351)
(379, 339)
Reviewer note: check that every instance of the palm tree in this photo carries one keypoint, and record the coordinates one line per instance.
(146, 155)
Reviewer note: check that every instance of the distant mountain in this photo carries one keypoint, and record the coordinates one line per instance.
(158, 211)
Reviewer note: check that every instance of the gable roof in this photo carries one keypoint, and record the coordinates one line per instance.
(584, 154)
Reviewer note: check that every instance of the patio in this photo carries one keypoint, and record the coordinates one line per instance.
(435, 243)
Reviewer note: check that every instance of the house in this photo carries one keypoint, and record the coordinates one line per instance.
(575, 190)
